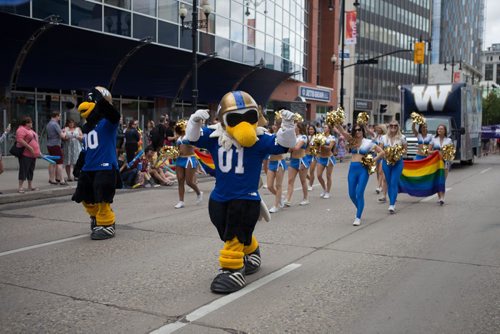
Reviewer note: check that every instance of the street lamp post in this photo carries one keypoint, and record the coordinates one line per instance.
(194, 25)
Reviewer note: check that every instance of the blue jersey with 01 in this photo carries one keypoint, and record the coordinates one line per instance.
(100, 147)
(237, 171)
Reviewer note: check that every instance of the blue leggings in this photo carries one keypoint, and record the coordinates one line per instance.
(357, 180)
(392, 174)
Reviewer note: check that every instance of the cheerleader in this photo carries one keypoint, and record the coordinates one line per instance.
(275, 174)
(357, 177)
(393, 169)
(311, 131)
(185, 165)
(438, 141)
(380, 130)
(326, 160)
(298, 165)
(424, 139)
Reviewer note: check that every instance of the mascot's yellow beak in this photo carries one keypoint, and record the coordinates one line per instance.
(85, 108)
(244, 133)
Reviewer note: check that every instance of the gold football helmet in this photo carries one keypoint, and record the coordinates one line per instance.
(240, 115)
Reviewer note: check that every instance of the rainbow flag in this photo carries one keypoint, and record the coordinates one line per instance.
(206, 161)
(423, 178)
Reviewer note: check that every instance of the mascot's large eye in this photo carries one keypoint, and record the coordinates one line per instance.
(250, 116)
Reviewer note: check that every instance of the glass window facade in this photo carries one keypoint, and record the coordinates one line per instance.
(386, 26)
(245, 31)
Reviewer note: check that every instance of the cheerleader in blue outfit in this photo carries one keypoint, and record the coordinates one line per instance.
(326, 160)
(185, 165)
(424, 139)
(438, 141)
(311, 131)
(357, 177)
(275, 173)
(298, 165)
(393, 171)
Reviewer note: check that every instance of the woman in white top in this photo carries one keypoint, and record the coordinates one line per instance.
(72, 146)
(393, 172)
(423, 138)
(298, 165)
(380, 130)
(357, 177)
(326, 160)
(441, 139)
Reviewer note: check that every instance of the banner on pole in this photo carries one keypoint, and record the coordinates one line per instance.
(350, 27)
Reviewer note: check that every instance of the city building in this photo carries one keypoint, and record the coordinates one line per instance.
(490, 61)
(387, 30)
(457, 41)
(54, 50)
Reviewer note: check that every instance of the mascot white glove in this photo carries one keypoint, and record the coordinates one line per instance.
(193, 127)
(286, 134)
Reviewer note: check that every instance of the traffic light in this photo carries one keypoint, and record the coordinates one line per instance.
(419, 53)
(383, 108)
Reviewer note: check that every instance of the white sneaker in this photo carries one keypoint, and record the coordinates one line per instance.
(179, 205)
(190, 190)
(199, 198)
(378, 190)
(322, 194)
(304, 202)
(356, 222)
(274, 209)
(326, 195)
(392, 209)
(287, 203)
(282, 202)
(310, 188)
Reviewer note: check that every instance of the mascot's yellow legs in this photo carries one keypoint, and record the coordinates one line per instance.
(231, 256)
(102, 212)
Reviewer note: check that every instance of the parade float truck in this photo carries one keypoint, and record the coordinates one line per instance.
(458, 106)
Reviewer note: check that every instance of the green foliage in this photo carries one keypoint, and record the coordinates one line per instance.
(491, 109)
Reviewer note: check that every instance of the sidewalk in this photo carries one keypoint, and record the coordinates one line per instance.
(9, 185)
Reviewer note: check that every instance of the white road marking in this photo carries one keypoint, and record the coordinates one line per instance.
(485, 170)
(43, 245)
(427, 199)
(218, 303)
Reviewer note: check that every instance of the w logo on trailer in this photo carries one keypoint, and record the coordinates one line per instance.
(429, 98)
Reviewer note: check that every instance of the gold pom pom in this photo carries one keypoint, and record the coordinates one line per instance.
(180, 126)
(393, 154)
(297, 118)
(317, 141)
(363, 118)
(277, 115)
(334, 118)
(417, 118)
(425, 149)
(448, 152)
(369, 163)
(169, 152)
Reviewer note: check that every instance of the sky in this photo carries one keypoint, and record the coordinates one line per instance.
(492, 26)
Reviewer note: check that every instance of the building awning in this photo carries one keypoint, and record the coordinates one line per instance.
(70, 58)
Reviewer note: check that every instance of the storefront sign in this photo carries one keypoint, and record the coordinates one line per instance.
(315, 94)
(360, 104)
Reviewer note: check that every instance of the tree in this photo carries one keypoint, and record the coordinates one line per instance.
(491, 109)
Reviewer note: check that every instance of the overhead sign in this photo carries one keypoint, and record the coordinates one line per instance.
(317, 94)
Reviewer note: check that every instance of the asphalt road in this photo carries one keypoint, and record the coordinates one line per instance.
(426, 269)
